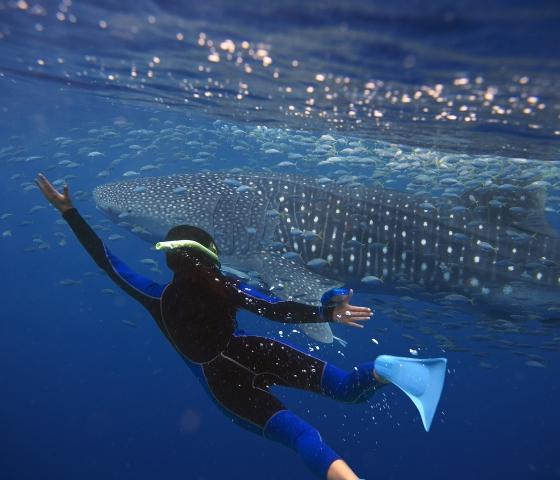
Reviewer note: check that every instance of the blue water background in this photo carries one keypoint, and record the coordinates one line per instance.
(87, 395)
(84, 395)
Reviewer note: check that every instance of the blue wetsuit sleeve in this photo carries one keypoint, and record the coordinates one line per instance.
(141, 288)
(285, 311)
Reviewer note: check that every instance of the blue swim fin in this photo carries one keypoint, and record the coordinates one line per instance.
(420, 378)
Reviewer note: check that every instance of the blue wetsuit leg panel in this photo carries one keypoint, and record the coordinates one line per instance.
(355, 386)
(290, 430)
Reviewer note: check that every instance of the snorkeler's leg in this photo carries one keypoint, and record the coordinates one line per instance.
(339, 470)
(355, 386)
(232, 386)
(290, 430)
(275, 362)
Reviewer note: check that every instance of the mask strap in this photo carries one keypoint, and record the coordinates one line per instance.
(172, 244)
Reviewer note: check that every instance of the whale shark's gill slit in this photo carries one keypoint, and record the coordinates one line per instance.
(257, 205)
(282, 229)
(375, 234)
(238, 221)
(425, 264)
(325, 217)
(321, 217)
(270, 230)
(225, 209)
(299, 207)
(216, 221)
(294, 207)
(249, 221)
(361, 220)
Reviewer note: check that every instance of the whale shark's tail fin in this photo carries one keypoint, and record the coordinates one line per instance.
(421, 379)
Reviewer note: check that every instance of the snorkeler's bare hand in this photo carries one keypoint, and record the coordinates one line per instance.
(350, 314)
(61, 201)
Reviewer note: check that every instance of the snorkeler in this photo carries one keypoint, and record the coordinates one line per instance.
(196, 312)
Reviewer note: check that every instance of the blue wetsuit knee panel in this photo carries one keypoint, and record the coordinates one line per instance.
(290, 430)
(356, 386)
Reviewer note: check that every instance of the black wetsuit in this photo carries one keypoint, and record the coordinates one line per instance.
(236, 369)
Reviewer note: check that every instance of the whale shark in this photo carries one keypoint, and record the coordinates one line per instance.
(297, 237)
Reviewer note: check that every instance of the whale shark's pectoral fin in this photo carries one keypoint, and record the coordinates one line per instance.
(287, 279)
(320, 332)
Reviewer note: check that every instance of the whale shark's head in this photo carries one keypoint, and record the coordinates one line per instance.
(152, 206)
(115, 200)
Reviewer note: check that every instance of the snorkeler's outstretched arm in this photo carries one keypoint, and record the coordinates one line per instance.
(143, 289)
(287, 311)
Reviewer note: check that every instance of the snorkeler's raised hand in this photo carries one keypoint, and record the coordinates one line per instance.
(349, 314)
(61, 201)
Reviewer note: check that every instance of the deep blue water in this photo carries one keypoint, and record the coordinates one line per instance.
(85, 394)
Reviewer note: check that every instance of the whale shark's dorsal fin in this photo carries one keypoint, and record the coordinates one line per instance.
(535, 221)
(515, 206)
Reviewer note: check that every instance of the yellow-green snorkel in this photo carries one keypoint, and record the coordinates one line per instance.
(171, 244)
